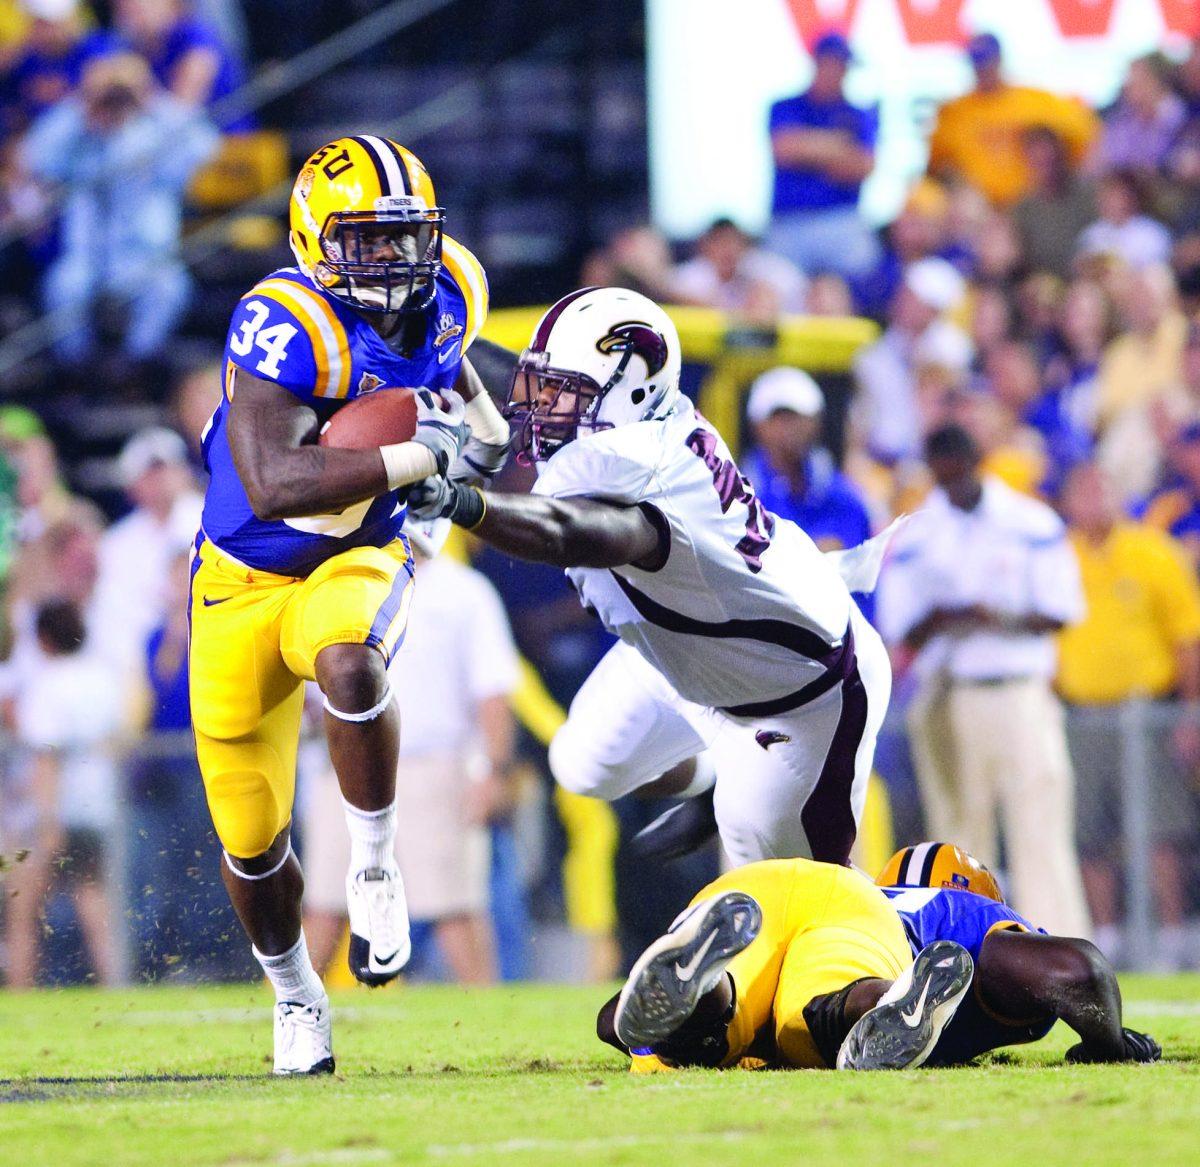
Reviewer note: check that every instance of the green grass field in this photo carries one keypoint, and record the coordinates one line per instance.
(179, 1076)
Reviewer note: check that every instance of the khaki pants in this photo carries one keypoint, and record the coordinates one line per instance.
(996, 755)
(444, 859)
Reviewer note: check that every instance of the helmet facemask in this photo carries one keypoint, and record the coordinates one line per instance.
(382, 261)
(548, 407)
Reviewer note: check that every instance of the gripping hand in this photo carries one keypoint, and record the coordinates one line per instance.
(443, 431)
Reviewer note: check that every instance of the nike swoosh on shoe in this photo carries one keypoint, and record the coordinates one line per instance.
(913, 1019)
(685, 972)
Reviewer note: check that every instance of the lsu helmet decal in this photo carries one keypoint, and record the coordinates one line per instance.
(365, 225)
(939, 865)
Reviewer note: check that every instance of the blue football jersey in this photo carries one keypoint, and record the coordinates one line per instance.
(930, 914)
(289, 330)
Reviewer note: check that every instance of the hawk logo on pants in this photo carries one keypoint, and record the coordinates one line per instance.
(771, 737)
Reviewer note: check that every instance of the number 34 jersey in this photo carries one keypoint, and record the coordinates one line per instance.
(745, 615)
(288, 330)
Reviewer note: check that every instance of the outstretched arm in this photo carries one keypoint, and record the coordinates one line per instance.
(564, 532)
(573, 532)
(1025, 974)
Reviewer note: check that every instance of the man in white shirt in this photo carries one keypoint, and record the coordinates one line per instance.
(885, 418)
(453, 676)
(66, 715)
(978, 584)
(137, 551)
(729, 272)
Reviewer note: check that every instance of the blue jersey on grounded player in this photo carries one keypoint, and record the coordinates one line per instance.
(930, 914)
(289, 330)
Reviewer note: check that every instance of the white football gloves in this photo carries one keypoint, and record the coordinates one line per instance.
(479, 462)
(443, 431)
(486, 450)
(431, 498)
(452, 493)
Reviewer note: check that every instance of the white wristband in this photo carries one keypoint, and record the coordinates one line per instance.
(485, 420)
(406, 463)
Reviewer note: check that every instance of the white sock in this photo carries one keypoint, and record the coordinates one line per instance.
(702, 780)
(372, 836)
(292, 974)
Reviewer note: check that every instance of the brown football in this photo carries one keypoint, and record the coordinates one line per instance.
(378, 419)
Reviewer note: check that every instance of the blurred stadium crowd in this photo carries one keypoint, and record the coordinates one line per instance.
(1037, 296)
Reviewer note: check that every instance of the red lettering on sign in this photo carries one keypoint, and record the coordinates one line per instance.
(932, 22)
(812, 18)
(1082, 17)
(1181, 16)
(927, 23)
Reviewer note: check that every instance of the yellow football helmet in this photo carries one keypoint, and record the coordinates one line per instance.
(365, 225)
(939, 865)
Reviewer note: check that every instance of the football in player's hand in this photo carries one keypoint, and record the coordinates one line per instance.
(378, 419)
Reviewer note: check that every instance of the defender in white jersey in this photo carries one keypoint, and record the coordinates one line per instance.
(742, 654)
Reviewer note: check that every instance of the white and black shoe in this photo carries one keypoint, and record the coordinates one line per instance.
(677, 970)
(379, 940)
(303, 1038)
(902, 1029)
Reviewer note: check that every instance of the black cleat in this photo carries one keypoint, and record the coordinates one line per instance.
(678, 831)
(902, 1029)
(677, 970)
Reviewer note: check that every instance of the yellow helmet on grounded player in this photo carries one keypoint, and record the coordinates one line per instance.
(365, 224)
(939, 865)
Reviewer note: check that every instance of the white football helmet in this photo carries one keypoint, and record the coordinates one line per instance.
(599, 358)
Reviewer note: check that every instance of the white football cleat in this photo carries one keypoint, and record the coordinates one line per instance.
(379, 940)
(902, 1029)
(303, 1038)
(670, 977)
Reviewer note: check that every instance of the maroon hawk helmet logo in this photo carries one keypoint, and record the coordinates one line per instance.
(638, 337)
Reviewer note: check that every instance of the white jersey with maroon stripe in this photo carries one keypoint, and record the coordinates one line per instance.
(745, 613)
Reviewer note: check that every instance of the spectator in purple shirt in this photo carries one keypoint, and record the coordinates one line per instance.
(186, 56)
(824, 149)
(1141, 127)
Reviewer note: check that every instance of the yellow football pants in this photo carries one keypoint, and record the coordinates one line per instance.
(823, 927)
(255, 637)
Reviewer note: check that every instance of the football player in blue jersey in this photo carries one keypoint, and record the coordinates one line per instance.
(767, 966)
(302, 571)
(1025, 980)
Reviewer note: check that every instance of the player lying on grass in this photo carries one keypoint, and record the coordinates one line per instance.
(742, 652)
(775, 963)
(1025, 981)
(695, 995)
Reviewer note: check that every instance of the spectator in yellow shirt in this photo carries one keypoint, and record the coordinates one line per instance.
(1140, 638)
(979, 137)
(1144, 360)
